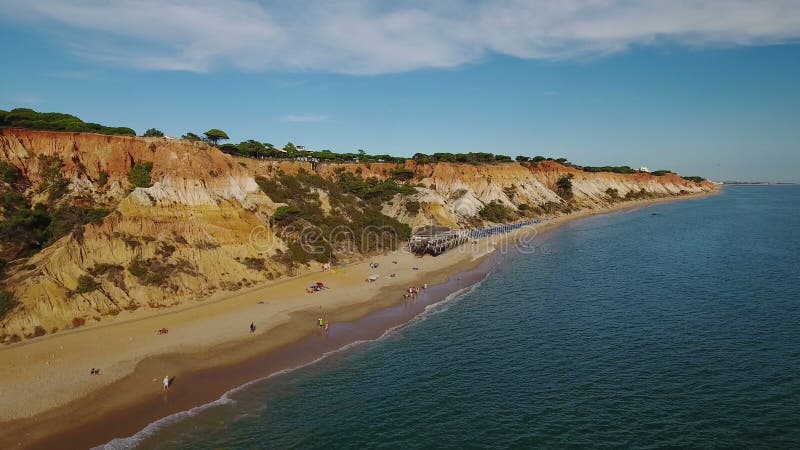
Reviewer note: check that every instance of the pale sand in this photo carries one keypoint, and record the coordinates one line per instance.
(42, 377)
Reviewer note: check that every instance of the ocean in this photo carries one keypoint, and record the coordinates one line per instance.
(676, 325)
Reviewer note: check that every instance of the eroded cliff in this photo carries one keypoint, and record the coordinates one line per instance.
(205, 224)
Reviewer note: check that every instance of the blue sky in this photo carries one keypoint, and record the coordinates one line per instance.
(708, 88)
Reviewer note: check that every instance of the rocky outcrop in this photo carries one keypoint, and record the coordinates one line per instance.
(204, 224)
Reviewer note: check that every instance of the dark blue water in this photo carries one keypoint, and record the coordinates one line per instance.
(680, 329)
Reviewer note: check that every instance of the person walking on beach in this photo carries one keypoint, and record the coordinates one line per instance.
(252, 327)
(166, 382)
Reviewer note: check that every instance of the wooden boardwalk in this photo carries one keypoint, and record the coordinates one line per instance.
(438, 242)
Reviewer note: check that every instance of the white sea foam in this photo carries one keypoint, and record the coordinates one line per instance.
(226, 398)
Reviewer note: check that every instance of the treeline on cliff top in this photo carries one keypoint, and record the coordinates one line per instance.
(52, 121)
(28, 118)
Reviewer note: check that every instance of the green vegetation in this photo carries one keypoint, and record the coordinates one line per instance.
(214, 135)
(30, 119)
(66, 219)
(696, 179)
(53, 182)
(613, 193)
(191, 137)
(7, 302)
(660, 173)
(255, 149)
(470, 158)
(86, 284)
(497, 212)
(413, 207)
(402, 174)
(637, 195)
(139, 176)
(285, 214)
(564, 187)
(9, 173)
(103, 178)
(155, 272)
(27, 229)
(372, 190)
(354, 224)
(255, 263)
(612, 169)
(152, 132)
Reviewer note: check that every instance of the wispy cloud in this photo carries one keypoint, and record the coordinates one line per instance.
(25, 99)
(304, 118)
(381, 36)
(72, 74)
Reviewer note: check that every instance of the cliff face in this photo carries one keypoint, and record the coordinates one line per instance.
(204, 224)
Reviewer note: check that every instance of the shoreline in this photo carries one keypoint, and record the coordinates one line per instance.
(206, 371)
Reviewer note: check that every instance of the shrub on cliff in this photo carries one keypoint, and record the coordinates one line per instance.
(139, 176)
(155, 273)
(612, 193)
(9, 173)
(255, 263)
(564, 187)
(402, 174)
(637, 195)
(497, 212)
(66, 219)
(25, 229)
(413, 207)
(7, 302)
(53, 182)
(86, 284)
(285, 214)
(103, 179)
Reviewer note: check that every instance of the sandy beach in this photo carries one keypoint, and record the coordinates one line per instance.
(209, 348)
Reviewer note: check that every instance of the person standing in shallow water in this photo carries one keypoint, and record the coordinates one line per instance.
(166, 382)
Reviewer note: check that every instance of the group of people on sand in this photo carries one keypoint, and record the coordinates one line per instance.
(323, 324)
(95, 371)
(316, 287)
(413, 291)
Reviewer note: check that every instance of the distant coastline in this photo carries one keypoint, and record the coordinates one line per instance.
(757, 183)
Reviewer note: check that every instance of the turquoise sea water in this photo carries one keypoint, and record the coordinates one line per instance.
(679, 329)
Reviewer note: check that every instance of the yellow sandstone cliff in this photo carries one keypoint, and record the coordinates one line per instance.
(204, 219)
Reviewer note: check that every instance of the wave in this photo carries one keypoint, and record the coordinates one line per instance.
(226, 398)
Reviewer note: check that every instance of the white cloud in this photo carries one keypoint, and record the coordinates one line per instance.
(304, 118)
(374, 37)
(25, 99)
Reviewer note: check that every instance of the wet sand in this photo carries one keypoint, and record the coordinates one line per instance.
(123, 406)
